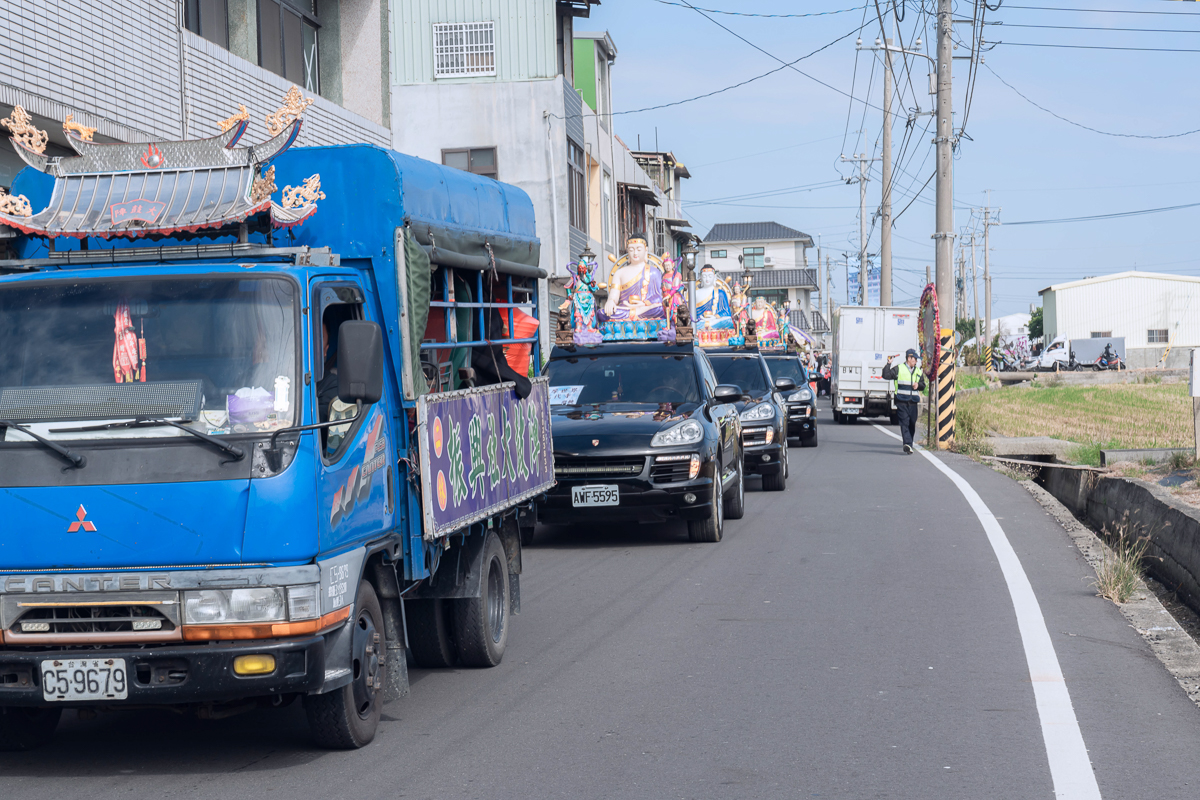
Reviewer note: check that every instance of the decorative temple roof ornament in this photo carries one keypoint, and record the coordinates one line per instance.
(160, 188)
(241, 116)
(293, 106)
(14, 205)
(263, 187)
(21, 126)
(83, 131)
(299, 196)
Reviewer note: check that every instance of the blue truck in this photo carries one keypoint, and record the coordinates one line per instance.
(259, 445)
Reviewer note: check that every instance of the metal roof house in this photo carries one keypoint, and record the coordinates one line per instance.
(774, 258)
(1158, 314)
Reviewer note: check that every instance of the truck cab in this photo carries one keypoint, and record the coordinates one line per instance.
(226, 481)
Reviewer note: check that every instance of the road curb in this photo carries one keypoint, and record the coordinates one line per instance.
(1170, 643)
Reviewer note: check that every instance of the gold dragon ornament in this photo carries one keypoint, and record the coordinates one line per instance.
(263, 187)
(310, 192)
(21, 125)
(240, 116)
(83, 131)
(15, 205)
(293, 106)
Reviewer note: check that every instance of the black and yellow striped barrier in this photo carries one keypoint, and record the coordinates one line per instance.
(945, 392)
(987, 359)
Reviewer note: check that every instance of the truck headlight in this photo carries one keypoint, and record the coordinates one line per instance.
(687, 432)
(759, 412)
(260, 604)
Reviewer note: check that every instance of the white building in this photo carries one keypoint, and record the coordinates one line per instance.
(170, 69)
(1157, 314)
(774, 257)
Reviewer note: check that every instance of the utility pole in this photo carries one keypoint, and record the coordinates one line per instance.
(885, 205)
(987, 290)
(975, 291)
(944, 141)
(862, 161)
(829, 292)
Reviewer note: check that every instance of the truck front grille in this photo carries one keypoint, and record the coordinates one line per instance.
(615, 467)
(92, 619)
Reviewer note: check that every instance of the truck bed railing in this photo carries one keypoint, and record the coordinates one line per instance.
(301, 256)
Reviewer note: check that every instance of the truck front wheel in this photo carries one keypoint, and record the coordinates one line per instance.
(26, 728)
(481, 623)
(346, 718)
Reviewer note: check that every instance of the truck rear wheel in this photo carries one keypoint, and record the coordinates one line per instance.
(429, 639)
(346, 718)
(26, 728)
(481, 623)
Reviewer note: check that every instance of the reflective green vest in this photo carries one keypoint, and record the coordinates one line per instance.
(907, 381)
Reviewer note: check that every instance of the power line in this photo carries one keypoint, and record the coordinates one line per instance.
(1088, 127)
(1094, 28)
(1097, 47)
(1103, 216)
(767, 16)
(763, 153)
(1108, 11)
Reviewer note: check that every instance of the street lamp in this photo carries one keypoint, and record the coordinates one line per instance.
(689, 253)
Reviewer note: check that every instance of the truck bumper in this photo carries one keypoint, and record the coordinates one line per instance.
(176, 675)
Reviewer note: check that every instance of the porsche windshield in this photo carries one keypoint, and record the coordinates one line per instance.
(217, 353)
(743, 371)
(629, 378)
(787, 368)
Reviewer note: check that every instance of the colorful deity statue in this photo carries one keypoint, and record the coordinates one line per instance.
(765, 319)
(741, 304)
(713, 308)
(672, 287)
(635, 290)
(785, 324)
(581, 299)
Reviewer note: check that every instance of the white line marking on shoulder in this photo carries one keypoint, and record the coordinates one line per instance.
(1070, 768)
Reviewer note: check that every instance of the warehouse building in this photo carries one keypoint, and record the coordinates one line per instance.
(1159, 315)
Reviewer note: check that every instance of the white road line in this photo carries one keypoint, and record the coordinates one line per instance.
(1070, 767)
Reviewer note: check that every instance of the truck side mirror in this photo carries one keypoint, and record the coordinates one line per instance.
(785, 384)
(360, 362)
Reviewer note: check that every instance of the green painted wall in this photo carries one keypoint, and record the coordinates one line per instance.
(585, 70)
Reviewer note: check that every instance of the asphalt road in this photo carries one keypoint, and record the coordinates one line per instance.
(852, 637)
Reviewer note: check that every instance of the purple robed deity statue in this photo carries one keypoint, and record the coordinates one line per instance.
(635, 285)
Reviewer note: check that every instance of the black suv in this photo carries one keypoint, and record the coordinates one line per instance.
(764, 420)
(801, 403)
(643, 432)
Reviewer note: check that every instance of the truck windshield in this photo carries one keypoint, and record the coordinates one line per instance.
(743, 371)
(787, 368)
(217, 353)
(638, 378)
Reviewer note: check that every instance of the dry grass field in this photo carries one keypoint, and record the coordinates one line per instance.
(1119, 416)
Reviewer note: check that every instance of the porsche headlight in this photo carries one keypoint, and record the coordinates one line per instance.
(758, 413)
(804, 394)
(687, 432)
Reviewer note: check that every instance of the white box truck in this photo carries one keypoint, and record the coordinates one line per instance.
(864, 337)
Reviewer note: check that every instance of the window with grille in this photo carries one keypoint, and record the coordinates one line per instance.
(1156, 336)
(576, 188)
(463, 49)
(1101, 334)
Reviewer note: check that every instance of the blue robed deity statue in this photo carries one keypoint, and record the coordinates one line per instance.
(635, 285)
(714, 310)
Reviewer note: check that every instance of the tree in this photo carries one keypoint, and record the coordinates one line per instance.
(1036, 330)
(965, 328)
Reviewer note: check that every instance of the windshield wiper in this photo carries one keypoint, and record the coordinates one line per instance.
(155, 422)
(77, 461)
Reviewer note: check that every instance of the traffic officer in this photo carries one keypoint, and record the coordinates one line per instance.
(909, 385)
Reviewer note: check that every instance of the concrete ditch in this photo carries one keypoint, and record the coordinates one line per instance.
(1106, 503)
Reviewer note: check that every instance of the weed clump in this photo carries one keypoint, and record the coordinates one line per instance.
(970, 430)
(1121, 569)
(1180, 460)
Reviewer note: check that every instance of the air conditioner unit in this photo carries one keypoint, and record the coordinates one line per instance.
(768, 261)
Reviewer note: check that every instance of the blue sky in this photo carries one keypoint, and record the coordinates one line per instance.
(786, 131)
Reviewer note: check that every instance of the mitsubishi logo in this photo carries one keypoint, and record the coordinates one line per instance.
(81, 522)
